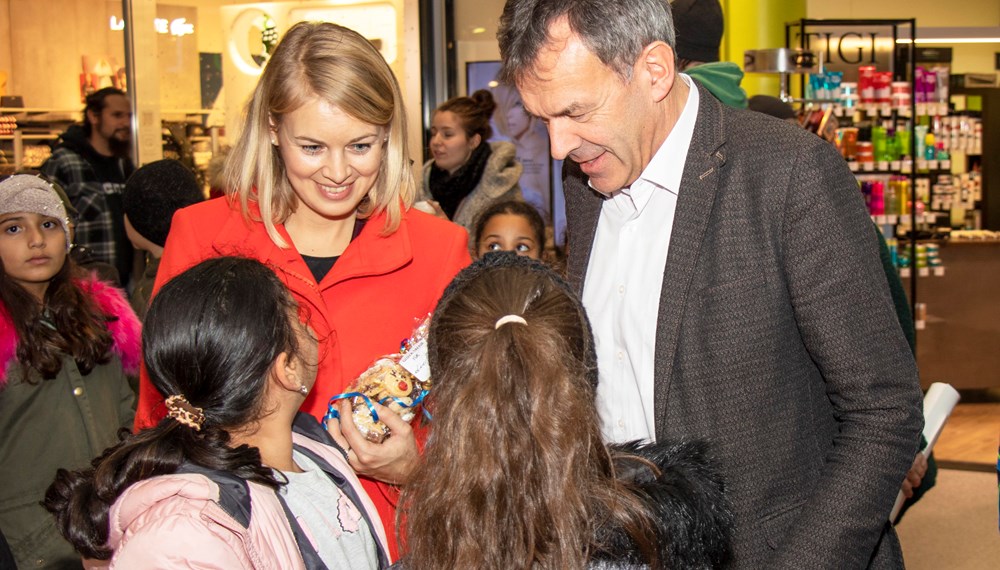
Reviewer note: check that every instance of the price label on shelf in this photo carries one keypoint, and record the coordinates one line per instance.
(945, 165)
(868, 166)
(880, 220)
(939, 271)
(923, 271)
(883, 165)
(921, 164)
(891, 219)
(853, 165)
(904, 272)
(932, 165)
(894, 165)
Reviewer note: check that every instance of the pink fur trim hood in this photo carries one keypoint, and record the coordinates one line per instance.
(125, 331)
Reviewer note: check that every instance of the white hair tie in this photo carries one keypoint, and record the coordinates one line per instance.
(509, 319)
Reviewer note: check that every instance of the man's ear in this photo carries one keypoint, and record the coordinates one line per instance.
(92, 116)
(659, 62)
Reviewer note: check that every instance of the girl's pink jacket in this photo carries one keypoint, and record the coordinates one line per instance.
(177, 521)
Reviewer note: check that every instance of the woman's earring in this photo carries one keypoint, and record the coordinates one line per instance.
(303, 390)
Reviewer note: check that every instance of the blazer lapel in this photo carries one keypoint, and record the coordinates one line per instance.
(696, 197)
(583, 208)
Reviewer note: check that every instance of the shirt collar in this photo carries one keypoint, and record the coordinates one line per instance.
(667, 166)
(665, 170)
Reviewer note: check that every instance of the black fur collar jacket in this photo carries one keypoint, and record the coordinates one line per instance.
(680, 486)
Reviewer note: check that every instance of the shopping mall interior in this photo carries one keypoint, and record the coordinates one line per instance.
(908, 90)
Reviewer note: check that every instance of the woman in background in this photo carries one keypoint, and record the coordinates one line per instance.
(467, 173)
(516, 474)
(319, 189)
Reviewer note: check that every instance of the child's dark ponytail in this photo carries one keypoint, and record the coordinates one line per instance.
(211, 335)
(81, 500)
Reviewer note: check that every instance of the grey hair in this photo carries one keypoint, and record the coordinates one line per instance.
(616, 32)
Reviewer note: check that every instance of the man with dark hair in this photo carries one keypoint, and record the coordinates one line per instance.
(91, 163)
(727, 266)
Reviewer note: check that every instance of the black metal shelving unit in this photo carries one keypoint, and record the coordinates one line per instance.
(902, 71)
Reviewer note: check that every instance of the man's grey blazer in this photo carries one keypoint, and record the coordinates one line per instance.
(777, 342)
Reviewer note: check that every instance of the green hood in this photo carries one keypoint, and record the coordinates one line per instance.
(722, 79)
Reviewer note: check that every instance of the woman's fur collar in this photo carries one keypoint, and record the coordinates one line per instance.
(125, 329)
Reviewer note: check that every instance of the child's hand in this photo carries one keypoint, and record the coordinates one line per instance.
(391, 461)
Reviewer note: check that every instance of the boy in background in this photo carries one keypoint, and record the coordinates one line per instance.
(151, 197)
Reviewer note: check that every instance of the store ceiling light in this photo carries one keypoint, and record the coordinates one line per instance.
(953, 36)
(479, 30)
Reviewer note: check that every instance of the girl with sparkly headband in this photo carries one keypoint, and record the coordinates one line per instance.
(234, 476)
(67, 342)
(516, 469)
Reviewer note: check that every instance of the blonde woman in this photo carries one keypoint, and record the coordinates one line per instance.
(319, 188)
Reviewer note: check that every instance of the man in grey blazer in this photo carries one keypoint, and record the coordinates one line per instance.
(726, 262)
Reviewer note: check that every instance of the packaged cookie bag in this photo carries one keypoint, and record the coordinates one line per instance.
(398, 381)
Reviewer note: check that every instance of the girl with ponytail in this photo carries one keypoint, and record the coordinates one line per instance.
(515, 474)
(234, 476)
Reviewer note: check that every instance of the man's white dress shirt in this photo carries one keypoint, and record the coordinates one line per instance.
(622, 288)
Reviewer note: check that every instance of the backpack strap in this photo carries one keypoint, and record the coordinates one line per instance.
(234, 498)
(234, 492)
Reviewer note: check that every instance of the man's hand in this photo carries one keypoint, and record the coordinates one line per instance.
(391, 461)
(913, 477)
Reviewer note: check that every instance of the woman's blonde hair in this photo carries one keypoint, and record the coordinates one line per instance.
(338, 65)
